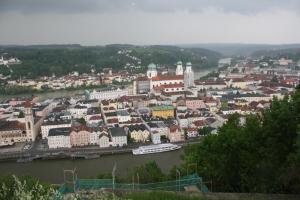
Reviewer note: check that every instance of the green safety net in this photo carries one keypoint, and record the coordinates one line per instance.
(174, 185)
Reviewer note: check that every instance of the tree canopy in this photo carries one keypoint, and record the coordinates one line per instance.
(262, 154)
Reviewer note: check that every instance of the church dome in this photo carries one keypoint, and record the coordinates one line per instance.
(179, 63)
(188, 64)
(152, 66)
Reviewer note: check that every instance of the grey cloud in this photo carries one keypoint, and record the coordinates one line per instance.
(78, 6)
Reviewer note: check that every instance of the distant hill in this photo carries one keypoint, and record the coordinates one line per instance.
(45, 60)
(291, 53)
(232, 49)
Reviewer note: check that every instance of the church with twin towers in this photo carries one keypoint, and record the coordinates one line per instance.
(181, 81)
(188, 74)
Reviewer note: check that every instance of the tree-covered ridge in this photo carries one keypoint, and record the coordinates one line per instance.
(289, 53)
(260, 154)
(40, 61)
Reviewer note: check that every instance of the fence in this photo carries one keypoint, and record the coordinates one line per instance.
(173, 185)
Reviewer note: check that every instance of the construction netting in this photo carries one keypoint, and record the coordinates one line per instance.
(179, 184)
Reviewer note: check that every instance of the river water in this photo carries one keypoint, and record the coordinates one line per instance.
(52, 170)
(44, 96)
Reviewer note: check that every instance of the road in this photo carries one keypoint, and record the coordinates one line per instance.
(36, 150)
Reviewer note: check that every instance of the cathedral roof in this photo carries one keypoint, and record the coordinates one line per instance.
(152, 66)
(165, 78)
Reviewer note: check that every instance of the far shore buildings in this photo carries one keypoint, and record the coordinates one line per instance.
(107, 94)
(118, 136)
(80, 136)
(163, 111)
(59, 138)
(21, 129)
(153, 79)
(53, 124)
(139, 132)
(164, 107)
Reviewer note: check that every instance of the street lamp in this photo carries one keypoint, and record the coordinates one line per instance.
(178, 173)
(138, 179)
(113, 173)
(189, 165)
(74, 178)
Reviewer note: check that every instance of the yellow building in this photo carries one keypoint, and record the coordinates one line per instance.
(163, 111)
(139, 132)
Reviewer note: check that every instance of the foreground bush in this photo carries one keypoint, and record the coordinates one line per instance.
(12, 188)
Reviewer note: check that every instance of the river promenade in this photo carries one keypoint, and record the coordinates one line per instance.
(88, 152)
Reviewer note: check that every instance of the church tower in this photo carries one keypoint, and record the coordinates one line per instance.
(29, 121)
(179, 68)
(151, 72)
(188, 76)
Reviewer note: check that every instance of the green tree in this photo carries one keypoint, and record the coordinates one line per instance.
(81, 121)
(148, 173)
(21, 114)
(185, 134)
(260, 155)
(130, 140)
(205, 130)
(25, 187)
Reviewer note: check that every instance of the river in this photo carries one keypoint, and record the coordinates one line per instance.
(44, 96)
(52, 170)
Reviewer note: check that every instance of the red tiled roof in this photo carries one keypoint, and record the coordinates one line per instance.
(143, 78)
(112, 121)
(12, 125)
(165, 78)
(191, 129)
(27, 104)
(80, 128)
(199, 123)
(96, 117)
(174, 128)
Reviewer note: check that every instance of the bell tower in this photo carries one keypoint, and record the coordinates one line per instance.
(179, 68)
(188, 76)
(29, 121)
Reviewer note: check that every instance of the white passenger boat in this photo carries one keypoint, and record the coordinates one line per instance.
(156, 148)
(4, 144)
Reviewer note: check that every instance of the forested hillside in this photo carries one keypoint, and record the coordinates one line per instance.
(291, 53)
(47, 60)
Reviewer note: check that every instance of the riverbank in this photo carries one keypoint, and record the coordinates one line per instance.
(90, 152)
(48, 95)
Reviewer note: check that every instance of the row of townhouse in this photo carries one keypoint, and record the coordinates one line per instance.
(79, 136)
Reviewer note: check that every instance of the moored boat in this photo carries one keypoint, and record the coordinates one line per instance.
(157, 148)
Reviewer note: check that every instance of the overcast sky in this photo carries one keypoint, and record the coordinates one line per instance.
(99, 22)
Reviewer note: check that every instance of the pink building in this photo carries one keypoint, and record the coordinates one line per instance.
(175, 134)
(80, 136)
(19, 101)
(194, 103)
